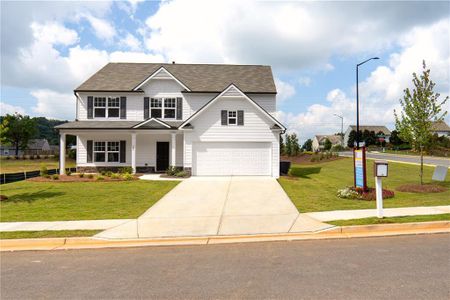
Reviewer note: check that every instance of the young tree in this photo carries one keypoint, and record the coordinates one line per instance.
(327, 145)
(351, 139)
(294, 144)
(420, 107)
(307, 145)
(288, 145)
(16, 130)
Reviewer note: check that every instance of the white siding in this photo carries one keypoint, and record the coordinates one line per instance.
(266, 101)
(256, 128)
(145, 147)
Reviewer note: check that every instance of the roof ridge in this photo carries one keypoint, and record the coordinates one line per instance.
(190, 64)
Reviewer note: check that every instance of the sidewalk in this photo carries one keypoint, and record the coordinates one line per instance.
(306, 222)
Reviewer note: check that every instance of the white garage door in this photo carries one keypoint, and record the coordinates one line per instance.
(211, 158)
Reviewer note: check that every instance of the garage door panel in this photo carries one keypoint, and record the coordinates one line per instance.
(219, 158)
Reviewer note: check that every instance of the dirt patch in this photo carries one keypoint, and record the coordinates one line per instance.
(305, 159)
(76, 178)
(424, 188)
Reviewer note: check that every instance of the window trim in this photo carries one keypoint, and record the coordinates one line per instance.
(163, 107)
(235, 118)
(106, 152)
(106, 107)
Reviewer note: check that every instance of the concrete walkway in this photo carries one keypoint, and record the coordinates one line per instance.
(326, 216)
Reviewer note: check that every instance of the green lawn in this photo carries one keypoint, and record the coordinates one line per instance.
(47, 234)
(59, 201)
(314, 187)
(21, 165)
(406, 219)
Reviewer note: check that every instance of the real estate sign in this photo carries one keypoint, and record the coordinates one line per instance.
(359, 163)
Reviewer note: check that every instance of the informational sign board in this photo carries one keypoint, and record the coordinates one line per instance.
(440, 173)
(359, 160)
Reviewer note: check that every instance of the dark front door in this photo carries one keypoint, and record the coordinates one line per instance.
(162, 156)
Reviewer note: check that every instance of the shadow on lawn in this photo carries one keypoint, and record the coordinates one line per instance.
(304, 172)
(30, 197)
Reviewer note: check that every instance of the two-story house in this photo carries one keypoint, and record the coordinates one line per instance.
(207, 119)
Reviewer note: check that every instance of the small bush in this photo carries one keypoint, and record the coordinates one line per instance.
(55, 177)
(8, 157)
(182, 174)
(31, 157)
(127, 176)
(103, 172)
(45, 156)
(100, 177)
(38, 156)
(90, 176)
(125, 170)
(109, 173)
(81, 175)
(24, 157)
(43, 171)
(115, 176)
(68, 173)
(172, 170)
(348, 193)
(46, 176)
(16, 157)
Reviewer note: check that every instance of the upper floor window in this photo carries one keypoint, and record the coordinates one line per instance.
(232, 117)
(106, 107)
(166, 107)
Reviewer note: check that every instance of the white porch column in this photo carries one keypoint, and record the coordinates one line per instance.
(133, 152)
(173, 150)
(62, 153)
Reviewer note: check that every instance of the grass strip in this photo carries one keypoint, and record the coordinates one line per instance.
(47, 234)
(390, 220)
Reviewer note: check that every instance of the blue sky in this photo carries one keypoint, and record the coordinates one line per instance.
(49, 48)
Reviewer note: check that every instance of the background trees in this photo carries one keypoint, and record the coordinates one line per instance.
(291, 146)
(17, 130)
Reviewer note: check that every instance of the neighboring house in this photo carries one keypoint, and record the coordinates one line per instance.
(34, 147)
(386, 133)
(318, 143)
(206, 119)
(441, 128)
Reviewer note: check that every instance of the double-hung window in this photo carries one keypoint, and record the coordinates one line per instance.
(106, 107)
(107, 151)
(100, 107)
(156, 107)
(232, 117)
(163, 108)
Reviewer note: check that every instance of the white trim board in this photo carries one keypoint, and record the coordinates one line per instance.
(155, 74)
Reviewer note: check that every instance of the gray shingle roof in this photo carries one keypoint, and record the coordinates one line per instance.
(334, 139)
(440, 126)
(197, 77)
(111, 125)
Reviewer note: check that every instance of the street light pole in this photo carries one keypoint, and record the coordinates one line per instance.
(357, 99)
(342, 129)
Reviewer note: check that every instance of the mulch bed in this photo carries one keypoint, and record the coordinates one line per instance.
(75, 178)
(424, 188)
(305, 159)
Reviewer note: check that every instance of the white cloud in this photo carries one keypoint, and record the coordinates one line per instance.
(381, 91)
(131, 42)
(119, 56)
(304, 80)
(102, 28)
(54, 33)
(284, 89)
(6, 108)
(55, 105)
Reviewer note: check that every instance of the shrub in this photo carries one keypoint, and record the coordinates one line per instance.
(46, 176)
(313, 158)
(115, 176)
(45, 156)
(348, 193)
(182, 174)
(8, 157)
(90, 176)
(81, 175)
(43, 171)
(172, 171)
(103, 172)
(23, 157)
(38, 156)
(55, 177)
(127, 176)
(125, 170)
(109, 173)
(100, 177)
(321, 156)
(31, 157)
(16, 157)
(68, 173)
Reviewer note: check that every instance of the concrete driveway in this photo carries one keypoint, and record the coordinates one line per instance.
(205, 206)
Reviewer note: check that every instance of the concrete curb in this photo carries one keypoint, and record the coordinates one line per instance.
(331, 233)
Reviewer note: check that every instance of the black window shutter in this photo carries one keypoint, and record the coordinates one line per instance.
(89, 151)
(123, 151)
(179, 108)
(90, 107)
(146, 105)
(123, 107)
(240, 117)
(224, 115)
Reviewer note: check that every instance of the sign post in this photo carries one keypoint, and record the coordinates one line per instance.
(359, 166)
(380, 169)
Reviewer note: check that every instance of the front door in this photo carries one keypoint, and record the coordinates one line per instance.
(162, 156)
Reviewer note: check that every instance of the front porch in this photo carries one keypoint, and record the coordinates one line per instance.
(145, 151)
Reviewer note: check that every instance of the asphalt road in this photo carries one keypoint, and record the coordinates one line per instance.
(405, 267)
(435, 161)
